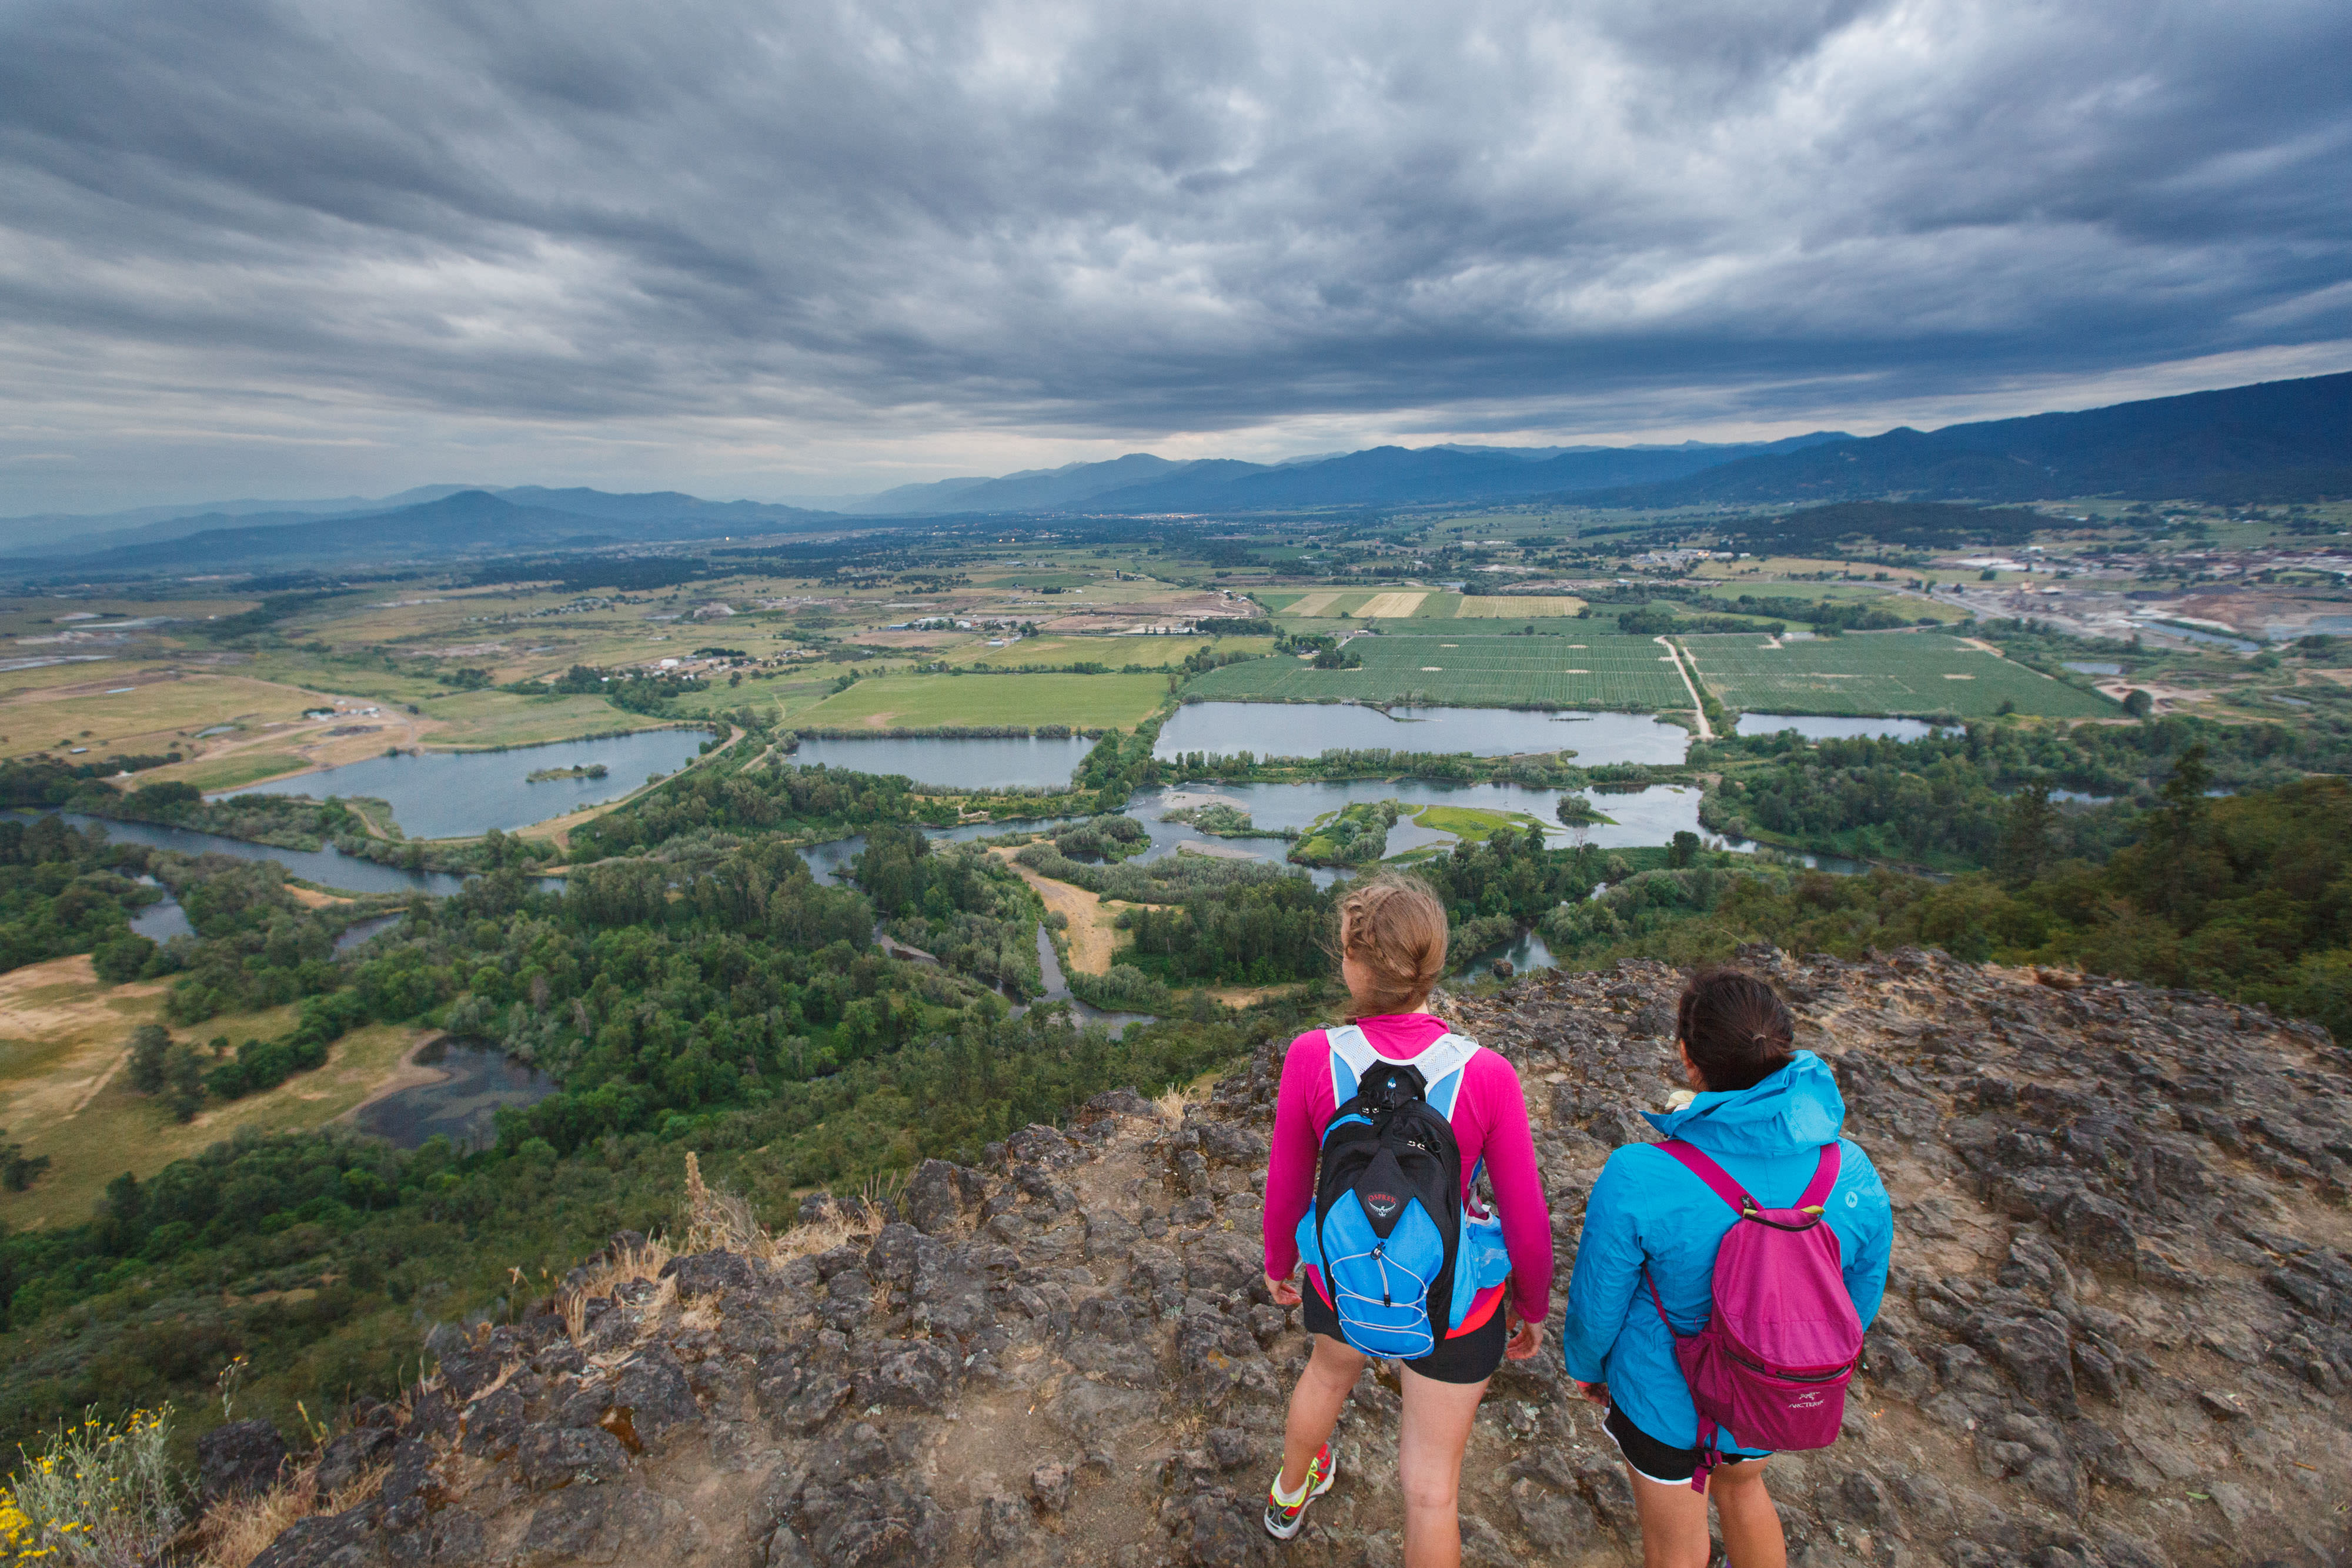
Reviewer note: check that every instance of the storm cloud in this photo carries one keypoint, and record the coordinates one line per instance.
(778, 242)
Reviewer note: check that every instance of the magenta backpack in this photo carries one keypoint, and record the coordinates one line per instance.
(1780, 1344)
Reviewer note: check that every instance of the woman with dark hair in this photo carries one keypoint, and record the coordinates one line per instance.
(1762, 1111)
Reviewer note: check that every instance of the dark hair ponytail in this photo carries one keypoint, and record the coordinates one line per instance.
(1737, 1028)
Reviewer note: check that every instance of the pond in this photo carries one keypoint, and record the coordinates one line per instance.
(359, 931)
(995, 763)
(1524, 952)
(1310, 729)
(1826, 726)
(462, 1104)
(161, 921)
(460, 794)
(328, 868)
(2237, 645)
(835, 857)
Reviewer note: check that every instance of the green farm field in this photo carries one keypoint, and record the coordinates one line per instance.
(1154, 653)
(1911, 607)
(933, 702)
(1463, 664)
(1880, 673)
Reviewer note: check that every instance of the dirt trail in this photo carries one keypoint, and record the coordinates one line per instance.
(1093, 939)
(1698, 708)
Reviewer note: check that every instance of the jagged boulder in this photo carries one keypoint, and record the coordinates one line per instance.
(238, 1459)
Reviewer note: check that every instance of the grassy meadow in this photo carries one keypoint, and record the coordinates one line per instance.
(64, 1038)
(151, 716)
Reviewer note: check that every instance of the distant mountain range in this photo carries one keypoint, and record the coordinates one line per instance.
(2275, 440)
(1383, 475)
(251, 527)
(463, 522)
(2278, 440)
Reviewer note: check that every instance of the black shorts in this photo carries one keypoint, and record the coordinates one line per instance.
(1465, 1358)
(1651, 1460)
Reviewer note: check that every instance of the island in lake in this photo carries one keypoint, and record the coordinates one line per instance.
(585, 770)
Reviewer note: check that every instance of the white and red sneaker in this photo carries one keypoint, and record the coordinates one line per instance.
(1284, 1520)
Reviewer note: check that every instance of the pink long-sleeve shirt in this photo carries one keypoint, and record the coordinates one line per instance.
(1490, 1121)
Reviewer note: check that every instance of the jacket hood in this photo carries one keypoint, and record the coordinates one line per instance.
(1796, 1108)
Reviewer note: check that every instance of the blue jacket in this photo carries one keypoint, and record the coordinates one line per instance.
(1647, 1209)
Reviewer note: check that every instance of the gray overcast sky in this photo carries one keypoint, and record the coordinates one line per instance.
(259, 250)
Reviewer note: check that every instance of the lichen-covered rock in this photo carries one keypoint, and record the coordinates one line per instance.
(238, 1459)
(551, 1457)
(347, 1458)
(708, 1273)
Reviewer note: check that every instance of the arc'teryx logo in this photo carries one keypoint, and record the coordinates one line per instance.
(1809, 1399)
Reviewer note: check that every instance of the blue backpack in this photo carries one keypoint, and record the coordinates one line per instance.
(1396, 1250)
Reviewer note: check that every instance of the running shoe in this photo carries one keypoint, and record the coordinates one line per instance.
(1284, 1520)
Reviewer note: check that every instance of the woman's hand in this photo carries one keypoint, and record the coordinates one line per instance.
(1596, 1391)
(1284, 1291)
(1525, 1336)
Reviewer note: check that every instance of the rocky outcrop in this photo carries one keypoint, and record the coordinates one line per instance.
(2119, 1329)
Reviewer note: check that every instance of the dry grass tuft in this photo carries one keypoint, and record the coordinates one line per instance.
(718, 1218)
(833, 1229)
(237, 1532)
(644, 1261)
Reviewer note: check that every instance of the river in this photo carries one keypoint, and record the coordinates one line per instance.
(328, 868)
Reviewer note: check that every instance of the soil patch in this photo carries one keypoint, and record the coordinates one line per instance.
(1092, 937)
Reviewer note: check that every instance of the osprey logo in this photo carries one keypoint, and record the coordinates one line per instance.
(1809, 1400)
(1382, 1204)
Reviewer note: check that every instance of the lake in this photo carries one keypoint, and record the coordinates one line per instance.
(996, 763)
(460, 794)
(1310, 729)
(476, 1080)
(1824, 727)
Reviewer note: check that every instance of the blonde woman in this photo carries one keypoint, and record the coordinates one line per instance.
(1391, 952)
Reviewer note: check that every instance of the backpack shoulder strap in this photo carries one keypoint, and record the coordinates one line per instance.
(1351, 1054)
(1816, 1191)
(1718, 1179)
(1444, 1062)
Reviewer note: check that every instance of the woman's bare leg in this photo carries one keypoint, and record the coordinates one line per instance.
(1429, 1467)
(1751, 1525)
(1673, 1523)
(1332, 1373)
(1674, 1519)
